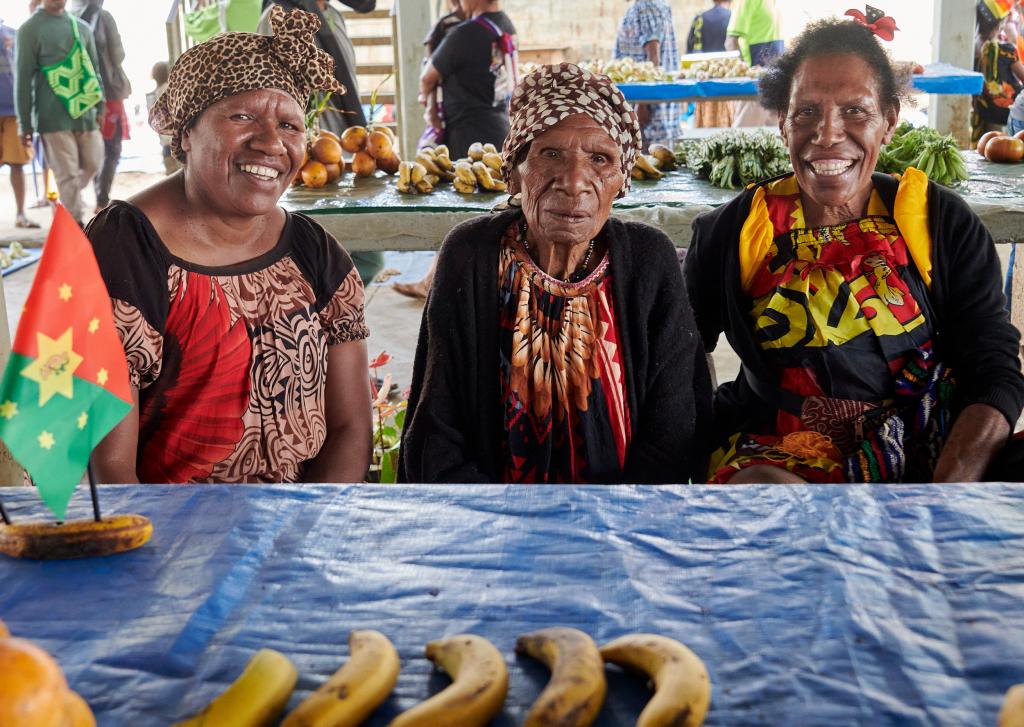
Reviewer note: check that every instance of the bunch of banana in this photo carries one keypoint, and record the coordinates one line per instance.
(356, 689)
(1012, 712)
(478, 688)
(646, 167)
(75, 539)
(255, 699)
(437, 162)
(16, 250)
(481, 169)
(413, 178)
(682, 688)
(575, 693)
(662, 157)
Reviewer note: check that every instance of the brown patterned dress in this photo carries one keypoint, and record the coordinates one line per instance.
(230, 362)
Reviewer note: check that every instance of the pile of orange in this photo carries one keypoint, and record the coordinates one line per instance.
(33, 691)
(372, 149)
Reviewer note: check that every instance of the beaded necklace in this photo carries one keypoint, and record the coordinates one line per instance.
(574, 277)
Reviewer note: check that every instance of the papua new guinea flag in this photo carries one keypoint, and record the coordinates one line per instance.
(66, 383)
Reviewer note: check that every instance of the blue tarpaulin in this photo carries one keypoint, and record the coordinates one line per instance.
(939, 78)
(814, 605)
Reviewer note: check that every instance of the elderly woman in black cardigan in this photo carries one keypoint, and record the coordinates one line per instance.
(557, 343)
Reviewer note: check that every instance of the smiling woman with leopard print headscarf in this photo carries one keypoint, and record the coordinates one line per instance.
(557, 343)
(242, 323)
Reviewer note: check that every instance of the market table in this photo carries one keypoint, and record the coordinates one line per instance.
(938, 78)
(370, 214)
(813, 605)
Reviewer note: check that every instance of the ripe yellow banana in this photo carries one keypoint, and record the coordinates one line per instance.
(493, 161)
(576, 690)
(75, 539)
(490, 148)
(418, 173)
(255, 699)
(428, 163)
(441, 149)
(664, 155)
(476, 151)
(643, 163)
(637, 173)
(483, 176)
(478, 688)
(424, 186)
(356, 689)
(464, 171)
(1012, 712)
(682, 688)
(463, 187)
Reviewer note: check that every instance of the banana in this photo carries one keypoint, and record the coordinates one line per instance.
(404, 176)
(463, 187)
(424, 186)
(432, 180)
(664, 155)
(476, 151)
(478, 688)
(75, 539)
(490, 149)
(483, 176)
(356, 689)
(418, 173)
(255, 699)
(493, 161)
(441, 149)
(464, 171)
(499, 186)
(682, 688)
(643, 163)
(1012, 712)
(428, 163)
(576, 690)
(636, 173)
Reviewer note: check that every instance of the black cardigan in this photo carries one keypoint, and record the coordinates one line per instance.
(973, 331)
(454, 429)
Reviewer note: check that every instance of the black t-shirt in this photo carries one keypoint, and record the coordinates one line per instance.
(440, 30)
(470, 61)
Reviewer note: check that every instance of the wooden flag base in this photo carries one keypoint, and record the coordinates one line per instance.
(75, 538)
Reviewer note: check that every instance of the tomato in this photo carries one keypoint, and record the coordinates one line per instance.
(1005, 149)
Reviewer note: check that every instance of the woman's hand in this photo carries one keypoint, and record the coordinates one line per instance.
(978, 434)
(345, 454)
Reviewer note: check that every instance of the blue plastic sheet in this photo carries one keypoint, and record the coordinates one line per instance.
(829, 605)
(940, 78)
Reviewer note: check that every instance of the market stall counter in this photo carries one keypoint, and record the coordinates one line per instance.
(368, 213)
(813, 605)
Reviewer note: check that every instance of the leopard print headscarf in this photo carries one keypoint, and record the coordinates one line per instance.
(231, 63)
(551, 93)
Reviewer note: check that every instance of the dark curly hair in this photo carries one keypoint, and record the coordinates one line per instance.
(828, 37)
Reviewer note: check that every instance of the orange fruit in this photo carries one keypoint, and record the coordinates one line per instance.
(77, 712)
(4, 633)
(329, 134)
(314, 174)
(353, 139)
(334, 171)
(379, 144)
(388, 164)
(32, 691)
(363, 164)
(326, 150)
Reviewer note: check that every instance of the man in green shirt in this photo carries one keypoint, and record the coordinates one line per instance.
(74, 147)
(754, 31)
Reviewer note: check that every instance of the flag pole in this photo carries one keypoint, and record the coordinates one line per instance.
(93, 493)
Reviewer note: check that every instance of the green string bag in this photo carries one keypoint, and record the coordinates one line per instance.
(74, 80)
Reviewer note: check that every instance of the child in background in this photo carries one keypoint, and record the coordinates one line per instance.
(999, 62)
(159, 75)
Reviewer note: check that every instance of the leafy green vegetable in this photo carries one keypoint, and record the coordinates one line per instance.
(926, 149)
(734, 158)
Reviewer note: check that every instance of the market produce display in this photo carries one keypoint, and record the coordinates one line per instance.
(356, 689)
(733, 159)
(14, 251)
(576, 690)
(998, 147)
(479, 171)
(478, 689)
(619, 70)
(926, 149)
(33, 690)
(372, 149)
(256, 698)
(77, 539)
(720, 68)
(682, 687)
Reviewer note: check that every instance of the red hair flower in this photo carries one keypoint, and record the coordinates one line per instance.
(876, 21)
